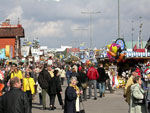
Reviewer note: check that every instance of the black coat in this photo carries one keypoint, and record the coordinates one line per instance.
(44, 78)
(74, 74)
(70, 100)
(102, 75)
(15, 101)
(83, 77)
(54, 85)
(1, 104)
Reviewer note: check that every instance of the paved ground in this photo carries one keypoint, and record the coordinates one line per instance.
(111, 103)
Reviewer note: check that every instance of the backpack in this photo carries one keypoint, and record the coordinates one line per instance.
(43, 81)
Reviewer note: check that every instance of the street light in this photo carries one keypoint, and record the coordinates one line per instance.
(118, 19)
(140, 34)
(91, 13)
(132, 33)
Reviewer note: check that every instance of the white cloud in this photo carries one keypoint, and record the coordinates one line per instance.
(55, 20)
(44, 29)
(49, 29)
(15, 13)
(57, 0)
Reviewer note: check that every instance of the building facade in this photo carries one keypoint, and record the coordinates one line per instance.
(10, 36)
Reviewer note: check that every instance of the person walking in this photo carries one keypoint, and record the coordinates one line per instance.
(55, 88)
(39, 89)
(84, 82)
(68, 74)
(28, 87)
(43, 80)
(137, 104)
(127, 91)
(62, 75)
(17, 73)
(6, 78)
(33, 74)
(15, 100)
(92, 76)
(58, 87)
(74, 72)
(72, 94)
(101, 80)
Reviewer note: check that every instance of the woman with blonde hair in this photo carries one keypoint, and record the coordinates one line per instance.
(137, 104)
(72, 95)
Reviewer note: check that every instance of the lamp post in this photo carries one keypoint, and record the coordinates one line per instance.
(118, 18)
(140, 37)
(140, 34)
(132, 33)
(90, 13)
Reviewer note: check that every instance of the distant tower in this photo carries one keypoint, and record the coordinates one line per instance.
(140, 35)
(18, 20)
(132, 33)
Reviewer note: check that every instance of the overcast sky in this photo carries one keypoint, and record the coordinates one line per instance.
(60, 22)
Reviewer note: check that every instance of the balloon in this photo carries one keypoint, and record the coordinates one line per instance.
(111, 53)
(108, 46)
(114, 49)
(121, 57)
(110, 57)
(114, 44)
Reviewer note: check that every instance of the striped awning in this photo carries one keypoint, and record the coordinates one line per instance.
(129, 54)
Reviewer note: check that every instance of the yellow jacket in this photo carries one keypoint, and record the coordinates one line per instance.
(30, 82)
(18, 74)
(127, 91)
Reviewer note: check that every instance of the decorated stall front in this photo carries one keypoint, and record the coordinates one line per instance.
(125, 59)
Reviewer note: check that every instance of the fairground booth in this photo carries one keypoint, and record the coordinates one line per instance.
(125, 55)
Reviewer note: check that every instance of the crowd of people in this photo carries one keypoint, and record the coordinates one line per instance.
(20, 83)
(136, 92)
(43, 79)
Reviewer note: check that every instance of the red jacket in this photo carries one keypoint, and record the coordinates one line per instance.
(92, 73)
(1, 88)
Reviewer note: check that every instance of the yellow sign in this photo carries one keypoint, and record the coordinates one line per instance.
(7, 51)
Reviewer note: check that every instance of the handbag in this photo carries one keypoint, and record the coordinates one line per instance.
(138, 101)
(84, 85)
